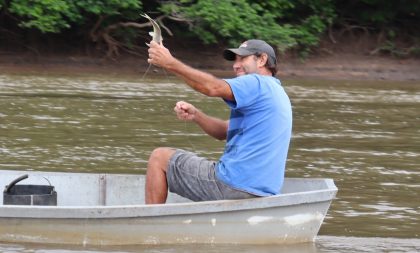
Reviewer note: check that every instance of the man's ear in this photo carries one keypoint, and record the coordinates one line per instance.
(262, 60)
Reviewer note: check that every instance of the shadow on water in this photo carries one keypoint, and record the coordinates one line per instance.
(364, 135)
(323, 244)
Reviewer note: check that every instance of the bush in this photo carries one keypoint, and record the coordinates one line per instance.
(285, 24)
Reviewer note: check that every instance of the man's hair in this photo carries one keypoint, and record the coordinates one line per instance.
(273, 69)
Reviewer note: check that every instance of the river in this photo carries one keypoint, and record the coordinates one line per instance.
(363, 134)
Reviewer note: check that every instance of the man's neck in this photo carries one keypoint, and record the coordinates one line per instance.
(264, 72)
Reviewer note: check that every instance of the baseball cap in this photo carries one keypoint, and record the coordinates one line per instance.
(251, 47)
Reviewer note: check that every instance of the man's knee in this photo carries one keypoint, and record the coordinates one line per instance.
(160, 157)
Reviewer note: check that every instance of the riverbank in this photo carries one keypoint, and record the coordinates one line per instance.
(338, 66)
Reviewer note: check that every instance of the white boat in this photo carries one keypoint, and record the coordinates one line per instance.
(109, 209)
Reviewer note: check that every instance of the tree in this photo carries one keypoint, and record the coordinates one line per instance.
(288, 24)
(395, 23)
(283, 23)
(99, 18)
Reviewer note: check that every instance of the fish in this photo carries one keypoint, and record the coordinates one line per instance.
(157, 33)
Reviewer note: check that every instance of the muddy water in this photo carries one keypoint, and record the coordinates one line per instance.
(364, 135)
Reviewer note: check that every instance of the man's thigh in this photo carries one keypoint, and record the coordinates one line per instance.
(194, 177)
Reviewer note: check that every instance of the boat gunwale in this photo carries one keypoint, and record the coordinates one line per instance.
(142, 210)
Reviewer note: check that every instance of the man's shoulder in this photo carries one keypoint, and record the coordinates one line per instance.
(253, 77)
(263, 78)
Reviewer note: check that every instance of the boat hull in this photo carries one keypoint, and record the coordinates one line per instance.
(294, 216)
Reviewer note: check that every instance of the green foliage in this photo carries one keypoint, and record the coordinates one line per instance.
(396, 22)
(415, 51)
(283, 23)
(390, 48)
(287, 24)
(128, 9)
(235, 20)
(45, 15)
(52, 16)
(379, 13)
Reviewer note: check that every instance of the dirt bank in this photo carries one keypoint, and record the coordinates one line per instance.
(340, 66)
(348, 66)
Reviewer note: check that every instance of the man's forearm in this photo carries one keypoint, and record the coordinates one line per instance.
(200, 81)
(214, 127)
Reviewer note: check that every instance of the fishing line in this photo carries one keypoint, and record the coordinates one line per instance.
(145, 73)
(168, 80)
(166, 74)
(188, 138)
(157, 37)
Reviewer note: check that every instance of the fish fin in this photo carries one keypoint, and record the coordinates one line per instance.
(145, 15)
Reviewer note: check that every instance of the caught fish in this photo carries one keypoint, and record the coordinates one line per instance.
(156, 34)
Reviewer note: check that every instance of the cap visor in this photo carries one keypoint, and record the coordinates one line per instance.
(230, 54)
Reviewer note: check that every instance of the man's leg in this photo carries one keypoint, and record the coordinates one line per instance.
(156, 185)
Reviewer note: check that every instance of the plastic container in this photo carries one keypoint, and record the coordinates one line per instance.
(34, 195)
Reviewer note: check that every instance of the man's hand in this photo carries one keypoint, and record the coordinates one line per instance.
(185, 111)
(214, 127)
(160, 55)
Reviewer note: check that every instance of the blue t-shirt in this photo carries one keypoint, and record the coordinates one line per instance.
(258, 135)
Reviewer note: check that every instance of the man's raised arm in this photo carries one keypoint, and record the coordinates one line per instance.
(200, 81)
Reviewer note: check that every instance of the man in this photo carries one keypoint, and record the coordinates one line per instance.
(258, 132)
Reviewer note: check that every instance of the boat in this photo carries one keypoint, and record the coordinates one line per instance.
(109, 209)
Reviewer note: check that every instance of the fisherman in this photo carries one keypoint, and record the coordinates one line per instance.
(257, 134)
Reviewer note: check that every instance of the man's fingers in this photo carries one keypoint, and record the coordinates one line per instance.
(184, 111)
(152, 53)
(182, 105)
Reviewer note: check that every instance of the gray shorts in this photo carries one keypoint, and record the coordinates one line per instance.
(194, 178)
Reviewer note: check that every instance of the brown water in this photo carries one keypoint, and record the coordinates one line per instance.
(364, 135)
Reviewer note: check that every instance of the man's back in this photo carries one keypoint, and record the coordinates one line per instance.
(258, 136)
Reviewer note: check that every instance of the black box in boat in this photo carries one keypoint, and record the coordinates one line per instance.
(34, 195)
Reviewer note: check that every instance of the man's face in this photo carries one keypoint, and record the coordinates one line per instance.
(244, 65)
